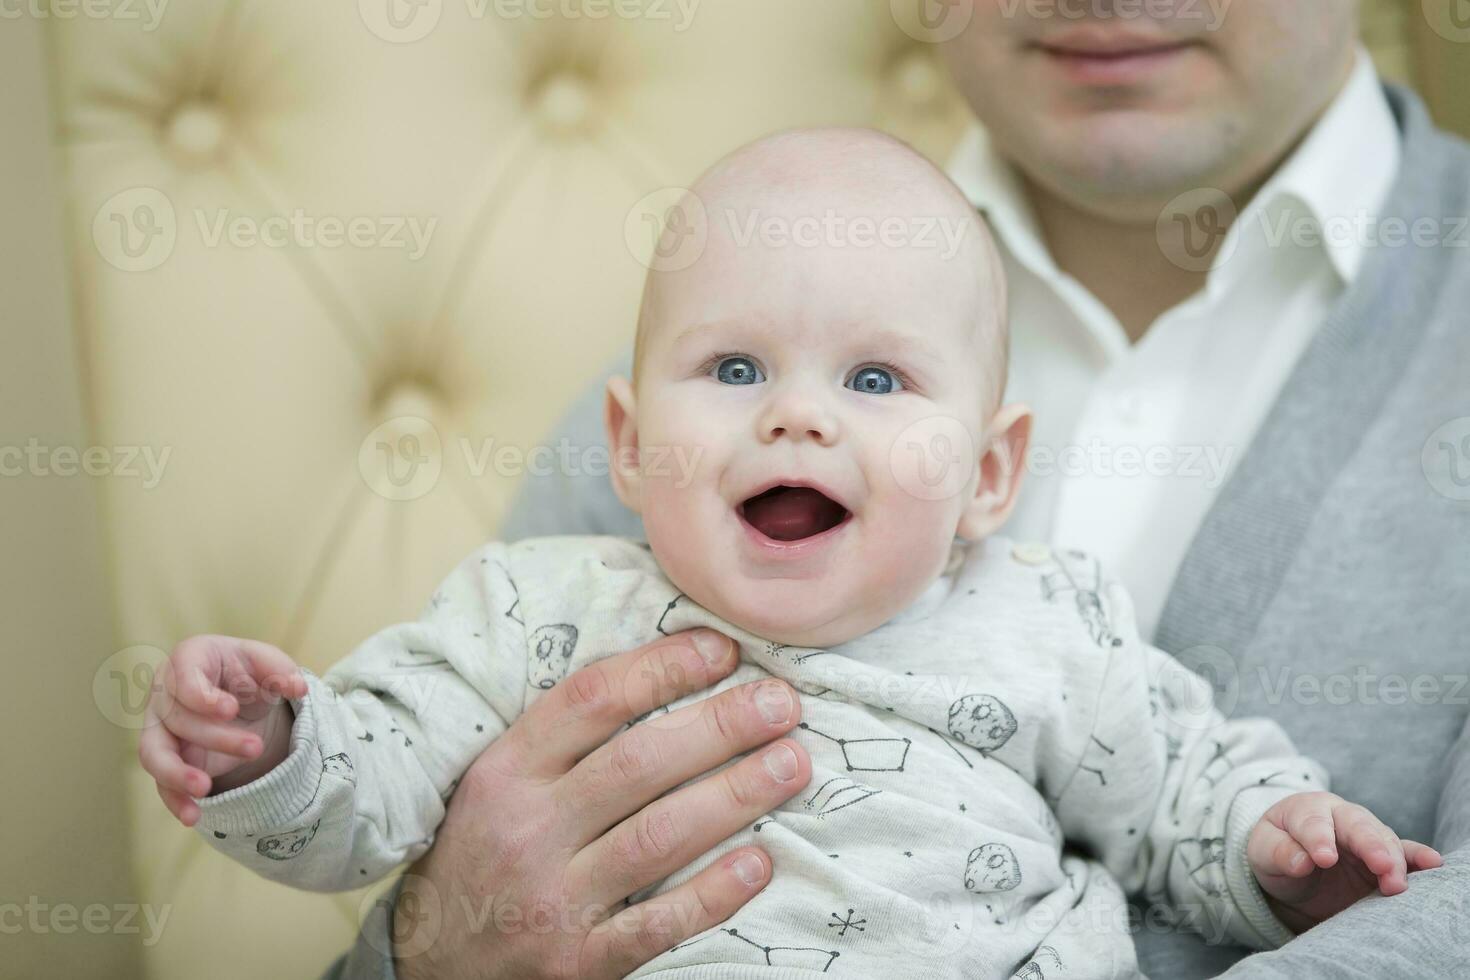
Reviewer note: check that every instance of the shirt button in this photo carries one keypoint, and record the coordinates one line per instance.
(1031, 553)
(1131, 407)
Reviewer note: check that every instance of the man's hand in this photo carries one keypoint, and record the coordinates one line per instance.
(551, 829)
(218, 719)
(1315, 854)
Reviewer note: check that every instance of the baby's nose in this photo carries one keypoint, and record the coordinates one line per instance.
(799, 417)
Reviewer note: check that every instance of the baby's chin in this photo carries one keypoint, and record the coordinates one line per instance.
(799, 613)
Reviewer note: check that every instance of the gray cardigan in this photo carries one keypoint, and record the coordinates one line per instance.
(1328, 587)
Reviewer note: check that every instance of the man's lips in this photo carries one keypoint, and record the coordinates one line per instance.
(1107, 58)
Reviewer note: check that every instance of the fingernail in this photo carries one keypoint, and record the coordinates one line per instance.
(1296, 860)
(774, 703)
(711, 646)
(748, 868)
(780, 762)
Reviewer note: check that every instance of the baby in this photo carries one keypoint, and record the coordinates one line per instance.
(832, 365)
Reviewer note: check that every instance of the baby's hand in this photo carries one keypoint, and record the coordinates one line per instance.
(1294, 852)
(218, 719)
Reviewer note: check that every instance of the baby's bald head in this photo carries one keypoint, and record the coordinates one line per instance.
(852, 220)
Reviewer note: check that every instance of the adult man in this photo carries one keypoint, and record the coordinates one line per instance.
(1255, 429)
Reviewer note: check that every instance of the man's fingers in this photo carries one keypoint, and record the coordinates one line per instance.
(1272, 851)
(585, 709)
(669, 833)
(656, 755)
(635, 935)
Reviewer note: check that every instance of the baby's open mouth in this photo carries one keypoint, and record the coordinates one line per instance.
(792, 513)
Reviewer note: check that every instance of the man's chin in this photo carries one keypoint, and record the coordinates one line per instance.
(1124, 166)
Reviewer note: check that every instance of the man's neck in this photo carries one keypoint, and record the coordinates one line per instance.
(1121, 264)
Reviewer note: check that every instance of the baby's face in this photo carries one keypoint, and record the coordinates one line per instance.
(831, 400)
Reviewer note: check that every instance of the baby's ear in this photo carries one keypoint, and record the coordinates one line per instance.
(620, 415)
(1002, 465)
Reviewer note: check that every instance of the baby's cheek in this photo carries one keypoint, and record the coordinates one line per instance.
(909, 544)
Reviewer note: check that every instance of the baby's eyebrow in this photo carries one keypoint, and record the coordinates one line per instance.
(884, 341)
(715, 327)
(865, 339)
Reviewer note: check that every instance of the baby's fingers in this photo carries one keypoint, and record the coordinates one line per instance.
(158, 751)
(1307, 817)
(1272, 851)
(1379, 848)
(1421, 857)
(216, 736)
(191, 678)
(273, 669)
(179, 804)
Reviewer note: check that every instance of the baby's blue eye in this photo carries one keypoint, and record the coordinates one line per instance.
(738, 371)
(874, 381)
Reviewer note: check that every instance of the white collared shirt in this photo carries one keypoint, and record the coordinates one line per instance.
(1132, 442)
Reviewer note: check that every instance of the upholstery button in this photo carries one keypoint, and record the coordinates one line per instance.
(402, 457)
(407, 400)
(917, 78)
(195, 132)
(1031, 553)
(563, 103)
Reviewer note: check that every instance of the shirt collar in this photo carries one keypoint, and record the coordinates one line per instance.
(1342, 170)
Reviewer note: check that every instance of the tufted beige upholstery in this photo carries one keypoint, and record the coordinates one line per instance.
(274, 376)
(267, 370)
